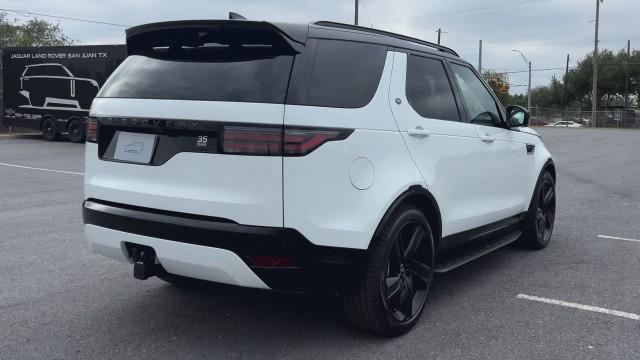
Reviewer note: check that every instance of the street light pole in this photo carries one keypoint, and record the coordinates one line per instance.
(529, 90)
(528, 86)
(356, 15)
(594, 91)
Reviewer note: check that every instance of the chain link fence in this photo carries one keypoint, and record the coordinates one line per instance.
(615, 117)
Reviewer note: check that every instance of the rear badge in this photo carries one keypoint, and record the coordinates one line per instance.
(201, 141)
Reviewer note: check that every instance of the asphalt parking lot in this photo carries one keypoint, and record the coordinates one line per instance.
(57, 300)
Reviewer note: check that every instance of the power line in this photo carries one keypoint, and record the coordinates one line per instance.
(473, 10)
(366, 11)
(525, 71)
(31, 13)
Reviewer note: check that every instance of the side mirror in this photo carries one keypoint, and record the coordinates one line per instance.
(517, 116)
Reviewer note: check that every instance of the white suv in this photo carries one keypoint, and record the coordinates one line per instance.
(307, 157)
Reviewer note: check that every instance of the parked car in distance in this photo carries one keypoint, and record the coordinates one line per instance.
(324, 157)
(568, 124)
(537, 122)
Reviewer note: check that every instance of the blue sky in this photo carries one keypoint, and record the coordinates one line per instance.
(545, 30)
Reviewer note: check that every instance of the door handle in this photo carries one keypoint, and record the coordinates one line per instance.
(419, 131)
(487, 138)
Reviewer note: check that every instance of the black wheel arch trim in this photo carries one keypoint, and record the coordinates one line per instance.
(413, 192)
(549, 166)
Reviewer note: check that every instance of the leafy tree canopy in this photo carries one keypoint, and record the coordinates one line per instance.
(35, 32)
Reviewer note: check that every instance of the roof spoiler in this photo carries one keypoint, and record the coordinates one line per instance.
(189, 32)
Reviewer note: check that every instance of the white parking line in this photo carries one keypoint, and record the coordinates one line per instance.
(618, 238)
(41, 169)
(581, 306)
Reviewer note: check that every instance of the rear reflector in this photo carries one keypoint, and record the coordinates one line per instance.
(92, 130)
(274, 141)
(273, 262)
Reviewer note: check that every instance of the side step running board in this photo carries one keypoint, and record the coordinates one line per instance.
(474, 251)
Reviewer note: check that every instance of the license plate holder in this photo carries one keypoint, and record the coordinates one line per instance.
(135, 147)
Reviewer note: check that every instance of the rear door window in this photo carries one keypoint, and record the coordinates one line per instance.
(343, 74)
(428, 89)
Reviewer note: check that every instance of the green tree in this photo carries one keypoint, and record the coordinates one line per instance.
(612, 70)
(34, 32)
(549, 96)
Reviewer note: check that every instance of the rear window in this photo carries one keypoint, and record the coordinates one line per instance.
(342, 74)
(227, 61)
(258, 80)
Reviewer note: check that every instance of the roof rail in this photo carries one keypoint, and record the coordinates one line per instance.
(386, 33)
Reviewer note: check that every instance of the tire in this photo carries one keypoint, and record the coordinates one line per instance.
(394, 289)
(540, 218)
(76, 131)
(49, 130)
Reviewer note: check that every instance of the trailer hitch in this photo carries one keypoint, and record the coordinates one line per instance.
(144, 261)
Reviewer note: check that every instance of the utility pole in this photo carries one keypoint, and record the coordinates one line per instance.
(564, 93)
(480, 58)
(594, 91)
(439, 35)
(529, 90)
(626, 80)
(356, 17)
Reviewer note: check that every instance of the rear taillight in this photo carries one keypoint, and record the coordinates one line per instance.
(303, 141)
(252, 140)
(92, 130)
(249, 140)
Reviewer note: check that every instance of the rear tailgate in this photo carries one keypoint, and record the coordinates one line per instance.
(211, 96)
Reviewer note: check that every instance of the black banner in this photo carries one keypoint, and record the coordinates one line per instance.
(57, 81)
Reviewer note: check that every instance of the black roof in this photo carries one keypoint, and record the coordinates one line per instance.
(390, 38)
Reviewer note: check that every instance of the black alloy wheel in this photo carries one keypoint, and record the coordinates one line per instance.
(409, 273)
(540, 219)
(546, 212)
(395, 285)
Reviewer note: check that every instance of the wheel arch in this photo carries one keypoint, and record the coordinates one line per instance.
(421, 198)
(551, 167)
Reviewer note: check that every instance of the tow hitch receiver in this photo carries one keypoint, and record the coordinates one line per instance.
(144, 259)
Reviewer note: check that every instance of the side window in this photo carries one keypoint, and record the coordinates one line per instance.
(343, 74)
(481, 108)
(428, 89)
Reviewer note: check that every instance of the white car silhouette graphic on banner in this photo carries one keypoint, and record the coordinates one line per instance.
(53, 86)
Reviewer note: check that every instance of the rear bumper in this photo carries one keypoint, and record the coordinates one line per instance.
(216, 249)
